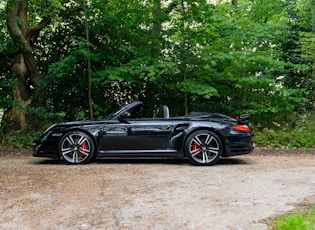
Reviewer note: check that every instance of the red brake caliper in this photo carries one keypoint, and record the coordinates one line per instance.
(84, 148)
(194, 146)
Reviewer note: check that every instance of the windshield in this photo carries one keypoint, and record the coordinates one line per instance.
(116, 114)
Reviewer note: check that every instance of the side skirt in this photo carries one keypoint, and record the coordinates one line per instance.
(141, 153)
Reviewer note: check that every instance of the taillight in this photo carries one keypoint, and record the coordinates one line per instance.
(241, 127)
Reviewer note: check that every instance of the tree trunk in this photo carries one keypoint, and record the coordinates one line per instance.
(24, 67)
(312, 5)
(87, 36)
(156, 29)
(184, 64)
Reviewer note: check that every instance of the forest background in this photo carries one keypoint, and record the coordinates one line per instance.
(67, 60)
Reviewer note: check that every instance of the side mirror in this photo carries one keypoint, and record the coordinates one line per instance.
(124, 116)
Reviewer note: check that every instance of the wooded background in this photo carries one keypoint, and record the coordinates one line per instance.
(80, 59)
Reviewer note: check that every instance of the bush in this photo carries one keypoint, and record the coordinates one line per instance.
(22, 139)
(38, 121)
(296, 133)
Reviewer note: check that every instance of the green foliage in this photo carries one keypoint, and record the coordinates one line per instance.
(41, 120)
(294, 132)
(21, 140)
(251, 57)
(198, 88)
(43, 115)
(288, 138)
(296, 221)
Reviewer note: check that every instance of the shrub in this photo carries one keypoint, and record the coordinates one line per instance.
(295, 133)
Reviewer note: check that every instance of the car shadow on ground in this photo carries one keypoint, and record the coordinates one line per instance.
(166, 161)
(222, 161)
(232, 161)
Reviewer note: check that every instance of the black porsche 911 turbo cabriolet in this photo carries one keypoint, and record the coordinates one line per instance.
(200, 136)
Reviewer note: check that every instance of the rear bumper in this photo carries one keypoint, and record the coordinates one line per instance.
(239, 145)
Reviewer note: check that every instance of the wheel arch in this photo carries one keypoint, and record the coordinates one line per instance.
(208, 129)
(75, 129)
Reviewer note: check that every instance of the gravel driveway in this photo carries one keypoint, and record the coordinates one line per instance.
(238, 193)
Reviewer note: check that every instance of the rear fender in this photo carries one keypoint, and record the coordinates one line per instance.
(209, 129)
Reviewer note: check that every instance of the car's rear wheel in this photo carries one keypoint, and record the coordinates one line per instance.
(203, 147)
(76, 147)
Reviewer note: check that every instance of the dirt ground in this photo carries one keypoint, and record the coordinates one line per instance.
(242, 192)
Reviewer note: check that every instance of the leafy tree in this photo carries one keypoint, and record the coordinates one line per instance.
(306, 45)
(230, 57)
(24, 25)
(7, 49)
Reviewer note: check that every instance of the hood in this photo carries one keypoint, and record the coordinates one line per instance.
(83, 122)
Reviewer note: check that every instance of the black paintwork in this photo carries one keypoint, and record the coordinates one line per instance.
(119, 134)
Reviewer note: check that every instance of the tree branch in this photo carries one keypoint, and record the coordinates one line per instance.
(12, 11)
(45, 21)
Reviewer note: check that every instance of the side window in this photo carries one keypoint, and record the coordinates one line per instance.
(137, 112)
(141, 112)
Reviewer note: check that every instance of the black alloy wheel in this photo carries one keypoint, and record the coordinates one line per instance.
(203, 148)
(76, 147)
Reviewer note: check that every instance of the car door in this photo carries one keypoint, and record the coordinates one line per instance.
(136, 134)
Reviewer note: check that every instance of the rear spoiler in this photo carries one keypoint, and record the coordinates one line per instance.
(243, 119)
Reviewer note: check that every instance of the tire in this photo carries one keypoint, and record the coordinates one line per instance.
(76, 147)
(203, 148)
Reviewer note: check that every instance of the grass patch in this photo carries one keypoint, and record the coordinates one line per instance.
(296, 221)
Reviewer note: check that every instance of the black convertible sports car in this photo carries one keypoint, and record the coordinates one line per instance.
(201, 137)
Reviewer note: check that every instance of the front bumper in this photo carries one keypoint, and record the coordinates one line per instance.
(42, 148)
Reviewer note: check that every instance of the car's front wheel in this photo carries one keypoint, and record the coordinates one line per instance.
(203, 147)
(76, 147)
